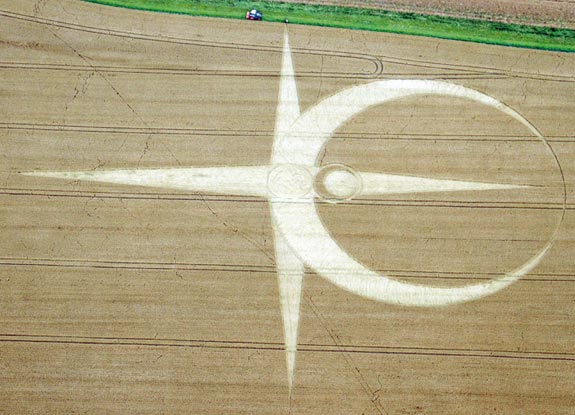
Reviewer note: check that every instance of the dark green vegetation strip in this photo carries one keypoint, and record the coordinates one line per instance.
(506, 34)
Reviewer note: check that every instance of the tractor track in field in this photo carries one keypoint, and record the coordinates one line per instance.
(278, 347)
(378, 67)
(224, 73)
(465, 71)
(267, 269)
(151, 196)
(112, 129)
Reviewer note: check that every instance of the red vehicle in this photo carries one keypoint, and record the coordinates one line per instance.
(253, 15)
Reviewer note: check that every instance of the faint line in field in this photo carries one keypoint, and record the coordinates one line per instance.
(278, 347)
(246, 268)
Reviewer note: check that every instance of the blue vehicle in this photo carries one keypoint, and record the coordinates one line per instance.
(253, 15)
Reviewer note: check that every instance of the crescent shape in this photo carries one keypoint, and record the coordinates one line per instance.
(301, 226)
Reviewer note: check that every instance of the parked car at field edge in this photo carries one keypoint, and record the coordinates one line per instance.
(253, 15)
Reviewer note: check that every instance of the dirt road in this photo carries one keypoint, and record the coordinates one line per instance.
(554, 13)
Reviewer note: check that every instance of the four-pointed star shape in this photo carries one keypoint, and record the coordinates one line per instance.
(292, 182)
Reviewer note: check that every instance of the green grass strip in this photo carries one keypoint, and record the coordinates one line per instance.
(505, 34)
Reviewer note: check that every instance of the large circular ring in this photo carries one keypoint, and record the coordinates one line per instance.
(300, 224)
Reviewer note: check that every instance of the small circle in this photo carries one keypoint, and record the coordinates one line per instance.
(336, 183)
(341, 183)
(290, 181)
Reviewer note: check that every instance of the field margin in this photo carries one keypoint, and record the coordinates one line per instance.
(470, 30)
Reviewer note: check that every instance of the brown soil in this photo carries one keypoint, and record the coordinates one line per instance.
(556, 13)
